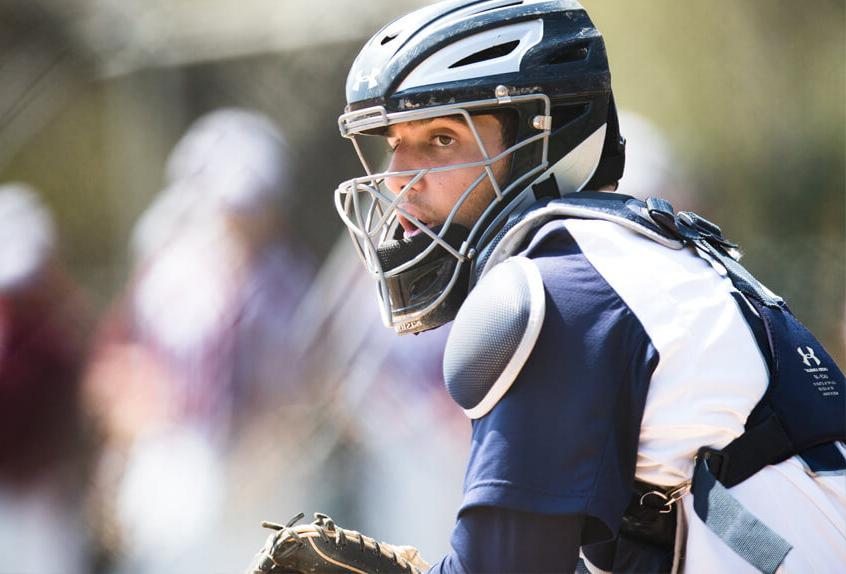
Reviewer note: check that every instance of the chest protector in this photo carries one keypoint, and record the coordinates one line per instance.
(801, 412)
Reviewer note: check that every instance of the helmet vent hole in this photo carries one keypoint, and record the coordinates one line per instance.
(497, 51)
(389, 37)
(570, 53)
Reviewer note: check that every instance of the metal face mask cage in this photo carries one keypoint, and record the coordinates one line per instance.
(440, 253)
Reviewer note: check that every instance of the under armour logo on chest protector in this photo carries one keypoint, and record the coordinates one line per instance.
(808, 357)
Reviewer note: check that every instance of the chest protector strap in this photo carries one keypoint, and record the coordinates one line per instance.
(804, 403)
(801, 413)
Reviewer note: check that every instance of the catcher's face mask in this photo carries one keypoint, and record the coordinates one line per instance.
(415, 225)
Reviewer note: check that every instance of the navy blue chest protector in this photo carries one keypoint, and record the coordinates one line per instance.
(803, 411)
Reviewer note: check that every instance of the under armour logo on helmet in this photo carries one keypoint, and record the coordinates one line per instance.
(807, 357)
(370, 78)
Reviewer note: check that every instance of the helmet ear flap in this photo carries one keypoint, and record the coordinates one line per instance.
(613, 159)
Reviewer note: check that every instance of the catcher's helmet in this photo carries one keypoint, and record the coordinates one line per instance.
(542, 62)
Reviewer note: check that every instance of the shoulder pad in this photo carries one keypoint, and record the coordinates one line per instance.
(493, 335)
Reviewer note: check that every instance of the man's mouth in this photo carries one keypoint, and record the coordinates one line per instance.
(409, 229)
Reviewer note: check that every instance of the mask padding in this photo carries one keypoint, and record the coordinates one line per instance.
(394, 253)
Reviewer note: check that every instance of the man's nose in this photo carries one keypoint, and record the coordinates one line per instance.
(402, 161)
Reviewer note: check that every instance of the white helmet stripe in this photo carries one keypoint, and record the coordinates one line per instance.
(436, 68)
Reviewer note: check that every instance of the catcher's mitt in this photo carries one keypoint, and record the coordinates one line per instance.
(324, 547)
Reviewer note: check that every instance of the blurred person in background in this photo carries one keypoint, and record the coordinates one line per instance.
(199, 342)
(44, 326)
(218, 275)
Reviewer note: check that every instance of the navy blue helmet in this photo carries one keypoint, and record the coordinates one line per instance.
(542, 65)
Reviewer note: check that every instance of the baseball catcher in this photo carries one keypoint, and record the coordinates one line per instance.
(638, 399)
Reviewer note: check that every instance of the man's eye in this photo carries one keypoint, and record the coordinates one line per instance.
(442, 140)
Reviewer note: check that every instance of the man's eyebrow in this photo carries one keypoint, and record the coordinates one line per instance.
(422, 122)
(452, 119)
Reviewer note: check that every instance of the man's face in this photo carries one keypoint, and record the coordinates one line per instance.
(440, 142)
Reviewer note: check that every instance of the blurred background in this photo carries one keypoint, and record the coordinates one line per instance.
(187, 345)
